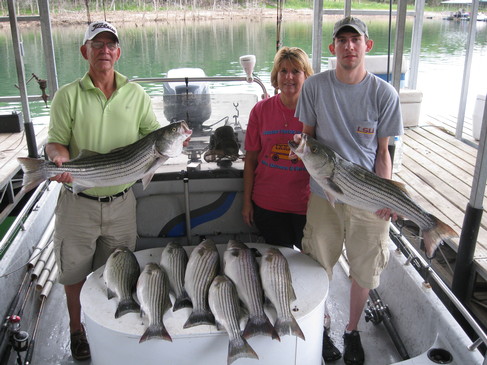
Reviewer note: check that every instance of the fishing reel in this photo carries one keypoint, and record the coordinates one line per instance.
(19, 340)
(376, 311)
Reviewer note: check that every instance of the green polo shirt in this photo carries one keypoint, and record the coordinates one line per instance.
(83, 119)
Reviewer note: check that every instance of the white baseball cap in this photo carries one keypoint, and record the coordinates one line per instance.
(99, 27)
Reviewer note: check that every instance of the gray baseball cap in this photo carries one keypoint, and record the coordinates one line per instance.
(351, 22)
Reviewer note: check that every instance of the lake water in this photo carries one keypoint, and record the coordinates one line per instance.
(215, 46)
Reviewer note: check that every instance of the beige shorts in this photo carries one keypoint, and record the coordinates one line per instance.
(365, 236)
(87, 232)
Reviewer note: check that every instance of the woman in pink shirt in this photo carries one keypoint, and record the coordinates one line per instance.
(276, 188)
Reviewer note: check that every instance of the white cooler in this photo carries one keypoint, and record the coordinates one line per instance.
(116, 341)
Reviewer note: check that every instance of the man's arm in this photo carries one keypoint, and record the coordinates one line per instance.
(383, 163)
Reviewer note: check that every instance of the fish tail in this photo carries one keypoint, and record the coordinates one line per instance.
(260, 325)
(34, 172)
(288, 326)
(157, 330)
(238, 348)
(182, 302)
(127, 306)
(434, 236)
(199, 317)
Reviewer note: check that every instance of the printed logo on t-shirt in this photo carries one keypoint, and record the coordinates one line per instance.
(365, 130)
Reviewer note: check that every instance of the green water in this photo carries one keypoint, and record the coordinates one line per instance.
(215, 46)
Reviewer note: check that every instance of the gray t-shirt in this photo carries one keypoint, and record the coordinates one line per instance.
(350, 118)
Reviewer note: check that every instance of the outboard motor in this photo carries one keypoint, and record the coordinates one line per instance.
(189, 101)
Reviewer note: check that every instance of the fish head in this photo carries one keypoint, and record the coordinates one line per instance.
(315, 156)
(170, 139)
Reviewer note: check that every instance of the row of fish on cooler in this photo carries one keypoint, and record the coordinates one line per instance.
(214, 293)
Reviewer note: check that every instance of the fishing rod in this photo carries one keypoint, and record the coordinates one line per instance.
(378, 312)
(17, 339)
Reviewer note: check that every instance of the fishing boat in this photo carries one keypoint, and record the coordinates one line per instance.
(192, 198)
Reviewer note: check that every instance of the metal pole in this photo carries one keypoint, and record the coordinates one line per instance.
(466, 70)
(19, 62)
(471, 222)
(316, 47)
(399, 44)
(50, 59)
(187, 209)
(416, 44)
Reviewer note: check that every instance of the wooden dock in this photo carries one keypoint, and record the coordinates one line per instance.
(438, 171)
(13, 145)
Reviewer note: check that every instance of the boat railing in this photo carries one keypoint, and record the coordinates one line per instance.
(188, 80)
(18, 224)
(415, 255)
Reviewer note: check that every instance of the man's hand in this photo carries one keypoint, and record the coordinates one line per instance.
(386, 214)
(64, 177)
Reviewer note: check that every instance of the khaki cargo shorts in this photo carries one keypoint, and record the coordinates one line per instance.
(364, 236)
(87, 232)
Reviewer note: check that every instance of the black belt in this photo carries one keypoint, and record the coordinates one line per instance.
(101, 199)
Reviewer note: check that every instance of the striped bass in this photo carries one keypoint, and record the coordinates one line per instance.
(203, 266)
(351, 184)
(153, 295)
(174, 260)
(123, 165)
(278, 288)
(224, 304)
(120, 274)
(241, 267)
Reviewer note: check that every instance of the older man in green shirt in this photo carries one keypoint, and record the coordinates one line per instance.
(100, 112)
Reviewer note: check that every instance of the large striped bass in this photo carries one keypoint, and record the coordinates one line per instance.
(241, 267)
(351, 184)
(278, 288)
(224, 304)
(153, 295)
(203, 266)
(124, 165)
(120, 274)
(174, 260)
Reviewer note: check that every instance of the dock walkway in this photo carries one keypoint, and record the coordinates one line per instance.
(438, 171)
(13, 145)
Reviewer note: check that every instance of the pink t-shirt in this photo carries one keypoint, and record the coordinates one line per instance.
(280, 184)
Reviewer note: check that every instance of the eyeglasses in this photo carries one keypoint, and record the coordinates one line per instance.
(99, 45)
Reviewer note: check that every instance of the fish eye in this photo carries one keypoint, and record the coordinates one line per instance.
(174, 129)
(314, 149)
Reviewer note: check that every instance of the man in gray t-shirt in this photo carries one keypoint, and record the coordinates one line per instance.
(353, 112)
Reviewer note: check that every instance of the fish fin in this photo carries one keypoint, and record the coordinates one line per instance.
(334, 187)
(401, 186)
(288, 326)
(260, 325)
(126, 306)
(219, 326)
(433, 237)
(157, 330)
(146, 179)
(182, 302)
(34, 172)
(238, 348)
(78, 188)
(331, 199)
(110, 294)
(85, 154)
(199, 317)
